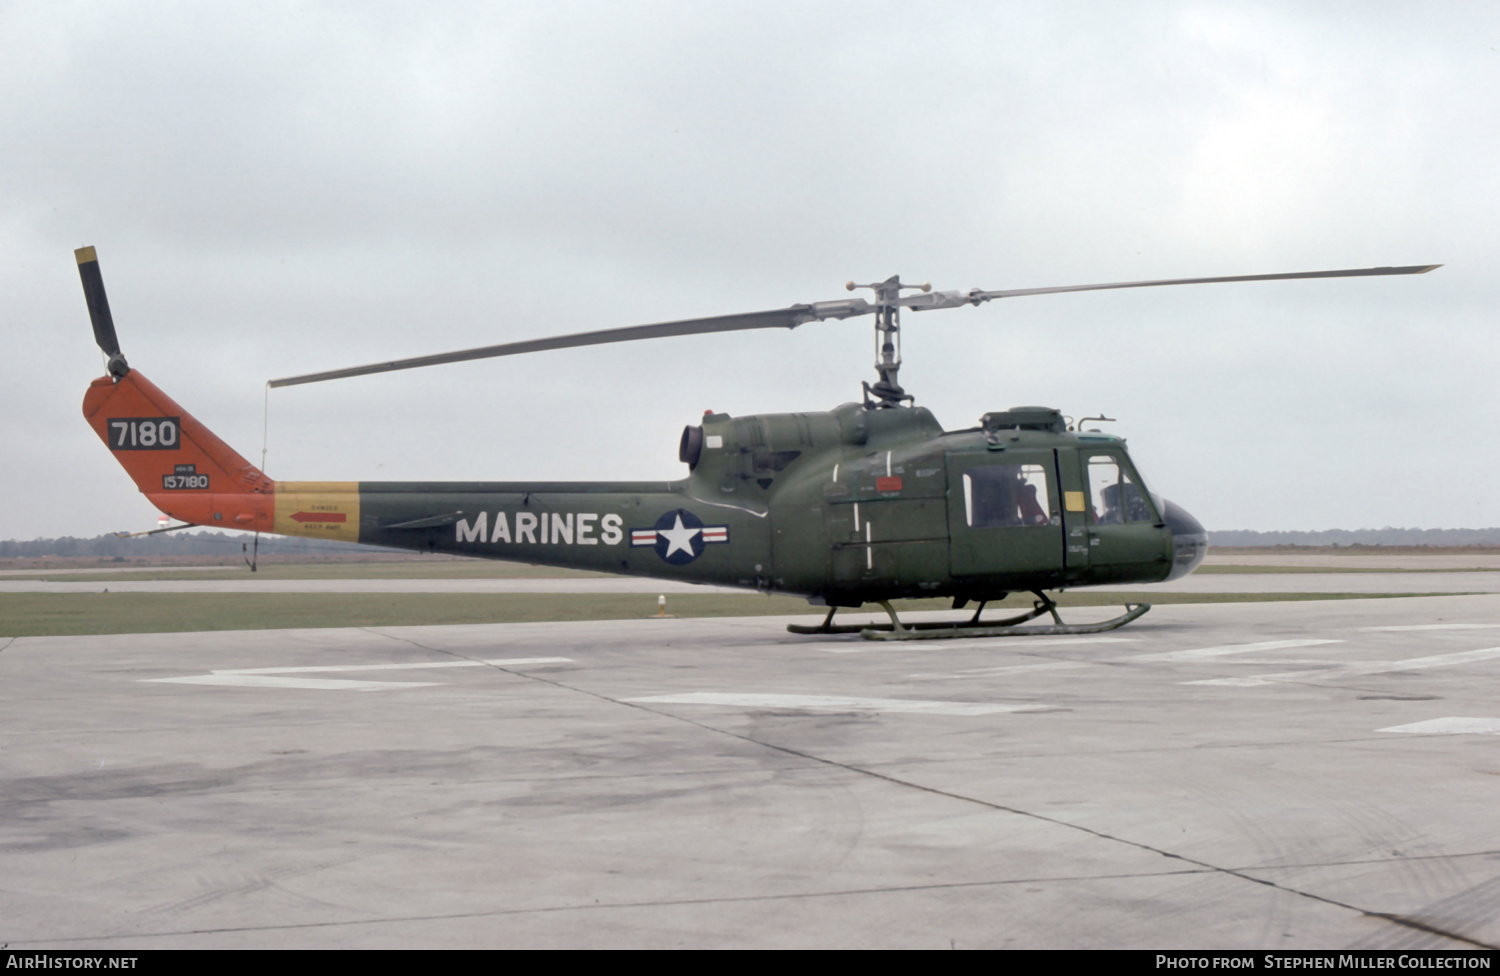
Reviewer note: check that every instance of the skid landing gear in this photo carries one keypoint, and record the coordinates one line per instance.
(973, 627)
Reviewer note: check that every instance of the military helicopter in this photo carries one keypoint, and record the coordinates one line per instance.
(866, 503)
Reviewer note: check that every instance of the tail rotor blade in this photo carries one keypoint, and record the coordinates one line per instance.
(104, 323)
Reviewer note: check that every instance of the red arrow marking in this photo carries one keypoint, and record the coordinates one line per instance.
(318, 517)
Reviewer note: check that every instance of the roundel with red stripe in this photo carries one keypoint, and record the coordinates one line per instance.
(679, 536)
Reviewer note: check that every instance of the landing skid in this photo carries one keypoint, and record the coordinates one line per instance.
(973, 627)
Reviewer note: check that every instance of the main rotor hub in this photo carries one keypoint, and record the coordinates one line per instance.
(886, 391)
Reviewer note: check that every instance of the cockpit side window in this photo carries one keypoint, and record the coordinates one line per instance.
(1006, 495)
(1116, 497)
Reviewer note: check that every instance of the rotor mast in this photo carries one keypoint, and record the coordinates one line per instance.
(887, 392)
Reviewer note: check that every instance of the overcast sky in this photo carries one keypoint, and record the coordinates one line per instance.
(280, 188)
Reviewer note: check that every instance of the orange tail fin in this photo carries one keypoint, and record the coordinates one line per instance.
(177, 463)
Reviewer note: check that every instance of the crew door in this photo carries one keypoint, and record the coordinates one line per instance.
(1004, 516)
(1127, 540)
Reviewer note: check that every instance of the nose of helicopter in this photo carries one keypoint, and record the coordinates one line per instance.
(1189, 539)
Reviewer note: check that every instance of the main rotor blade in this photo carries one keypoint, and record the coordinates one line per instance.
(99, 317)
(784, 318)
(978, 296)
(781, 318)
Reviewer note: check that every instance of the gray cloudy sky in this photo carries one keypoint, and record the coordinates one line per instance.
(278, 188)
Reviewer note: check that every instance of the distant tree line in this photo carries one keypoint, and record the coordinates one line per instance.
(173, 544)
(1359, 537)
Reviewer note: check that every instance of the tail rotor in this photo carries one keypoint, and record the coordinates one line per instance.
(104, 323)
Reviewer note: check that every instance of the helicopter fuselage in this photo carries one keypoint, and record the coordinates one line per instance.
(844, 507)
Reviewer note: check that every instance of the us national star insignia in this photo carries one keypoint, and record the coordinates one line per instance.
(679, 536)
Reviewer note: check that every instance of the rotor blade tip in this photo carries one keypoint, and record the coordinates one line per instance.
(85, 254)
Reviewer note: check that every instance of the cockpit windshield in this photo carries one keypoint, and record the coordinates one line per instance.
(1116, 497)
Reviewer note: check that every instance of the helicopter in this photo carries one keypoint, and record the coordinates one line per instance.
(869, 502)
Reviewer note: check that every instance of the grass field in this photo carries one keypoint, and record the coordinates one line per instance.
(50, 614)
(405, 569)
(41, 614)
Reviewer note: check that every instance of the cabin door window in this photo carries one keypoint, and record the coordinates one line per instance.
(1006, 496)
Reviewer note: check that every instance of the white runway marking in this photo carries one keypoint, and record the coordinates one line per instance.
(273, 681)
(1224, 650)
(1284, 661)
(1355, 669)
(418, 665)
(278, 677)
(832, 703)
(1450, 726)
(1435, 627)
(968, 644)
(1008, 669)
(320, 669)
(1196, 654)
